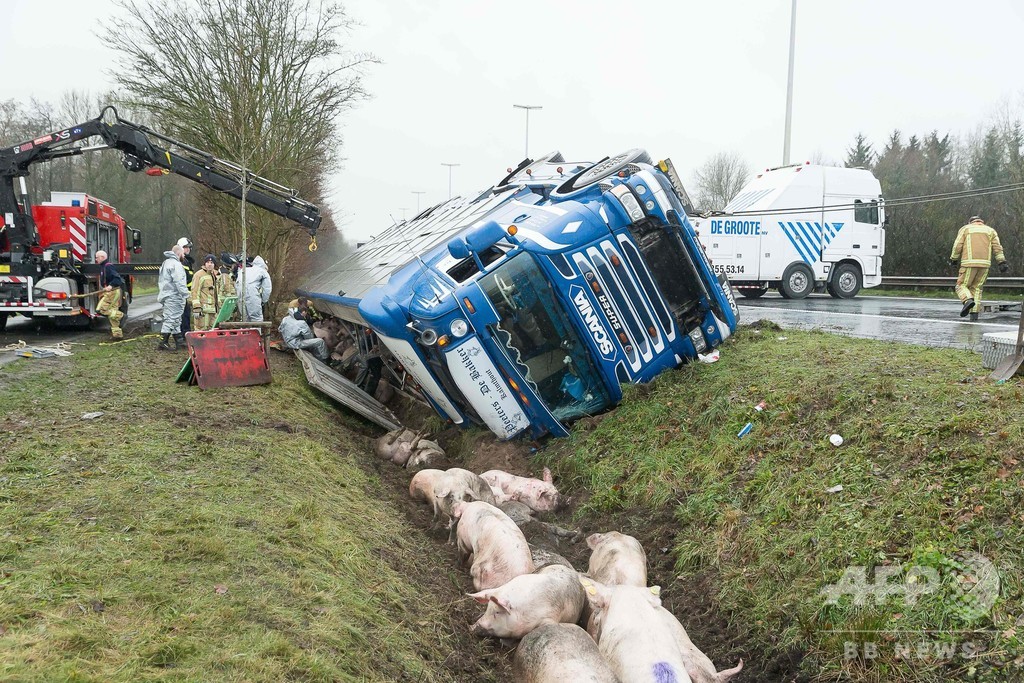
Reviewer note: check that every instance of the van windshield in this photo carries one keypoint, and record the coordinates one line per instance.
(541, 342)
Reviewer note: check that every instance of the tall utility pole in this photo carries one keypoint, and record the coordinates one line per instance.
(789, 85)
(527, 108)
(403, 209)
(418, 193)
(450, 167)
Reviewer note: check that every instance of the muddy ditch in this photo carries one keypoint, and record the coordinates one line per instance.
(689, 597)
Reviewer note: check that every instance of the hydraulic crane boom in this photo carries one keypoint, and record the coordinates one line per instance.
(142, 148)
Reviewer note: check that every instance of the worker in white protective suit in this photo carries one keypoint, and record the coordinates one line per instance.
(295, 334)
(171, 295)
(257, 289)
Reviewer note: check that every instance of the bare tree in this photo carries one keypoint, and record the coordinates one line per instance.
(258, 82)
(719, 179)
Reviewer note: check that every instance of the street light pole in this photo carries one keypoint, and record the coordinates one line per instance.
(418, 193)
(789, 85)
(403, 209)
(450, 167)
(527, 108)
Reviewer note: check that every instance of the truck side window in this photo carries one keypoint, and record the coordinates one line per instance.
(865, 212)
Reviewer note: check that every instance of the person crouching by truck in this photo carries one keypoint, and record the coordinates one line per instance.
(111, 284)
(205, 294)
(172, 295)
(296, 334)
(972, 250)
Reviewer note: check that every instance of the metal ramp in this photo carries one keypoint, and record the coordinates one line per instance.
(329, 382)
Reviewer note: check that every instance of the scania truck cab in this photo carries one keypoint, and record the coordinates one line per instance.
(532, 304)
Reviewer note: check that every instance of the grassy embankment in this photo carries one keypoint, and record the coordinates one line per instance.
(200, 535)
(930, 468)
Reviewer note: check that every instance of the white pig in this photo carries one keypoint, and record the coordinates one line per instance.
(492, 543)
(422, 485)
(458, 485)
(617, 559)
(639, 646)
(541, 496)
(560, 653)
(551, 595)
(698, 665)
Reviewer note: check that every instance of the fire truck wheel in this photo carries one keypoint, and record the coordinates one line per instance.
(797, 282)
(602, 169)
(846, 281)
(752, 292)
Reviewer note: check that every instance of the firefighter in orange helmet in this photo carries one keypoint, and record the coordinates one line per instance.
(975, 244)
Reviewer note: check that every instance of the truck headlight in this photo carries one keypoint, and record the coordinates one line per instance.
(428, 337)
(628, 201)
(698, 340)
(459, 328)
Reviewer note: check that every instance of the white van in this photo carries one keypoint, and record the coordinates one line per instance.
(799, 228)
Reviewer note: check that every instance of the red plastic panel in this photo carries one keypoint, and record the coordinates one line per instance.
(228, 358)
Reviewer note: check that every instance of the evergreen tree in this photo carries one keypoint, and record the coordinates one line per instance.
(860, 155)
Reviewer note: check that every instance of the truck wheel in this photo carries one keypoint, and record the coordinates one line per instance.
(603, 169)
(797, 282)
(3, 322)
(752, 292)
(846, 281)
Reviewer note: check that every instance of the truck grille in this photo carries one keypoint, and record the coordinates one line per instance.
(621, 284)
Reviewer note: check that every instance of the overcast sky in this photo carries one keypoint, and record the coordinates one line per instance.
(681, 78)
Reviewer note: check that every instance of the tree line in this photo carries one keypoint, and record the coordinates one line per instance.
(259, 83)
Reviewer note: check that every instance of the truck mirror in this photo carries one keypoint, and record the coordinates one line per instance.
(484, 236)
(458, 248)
(137, 240)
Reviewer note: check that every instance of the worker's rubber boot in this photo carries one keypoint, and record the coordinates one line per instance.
(973, 318)
(968, 305)
(179, 341)
(163, 345)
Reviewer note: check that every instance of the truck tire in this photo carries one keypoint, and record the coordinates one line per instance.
(752, 292)
(3, 322)
(602, 169)
(797, 282)
(846, 281)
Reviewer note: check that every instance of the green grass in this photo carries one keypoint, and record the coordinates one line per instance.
(930, 468)
(188, 535)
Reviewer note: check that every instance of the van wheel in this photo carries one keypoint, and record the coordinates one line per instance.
(846, 281)
(797, 282)
(752, 292)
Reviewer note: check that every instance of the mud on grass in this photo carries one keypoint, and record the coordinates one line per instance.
(229, 534)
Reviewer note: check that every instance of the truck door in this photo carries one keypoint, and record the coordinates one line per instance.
(855, 232)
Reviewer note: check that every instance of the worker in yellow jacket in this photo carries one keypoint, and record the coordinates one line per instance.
(205, 295)
(973, 249)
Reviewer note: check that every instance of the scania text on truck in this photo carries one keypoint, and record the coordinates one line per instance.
(532, 303)
(799, 228)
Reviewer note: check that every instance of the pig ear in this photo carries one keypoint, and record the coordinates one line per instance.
(597, 594)
(547, 475)
(483, 597)
(441, 493)
(594, 540)
(502, 603)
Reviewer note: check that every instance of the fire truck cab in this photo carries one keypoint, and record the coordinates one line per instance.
(72, 227)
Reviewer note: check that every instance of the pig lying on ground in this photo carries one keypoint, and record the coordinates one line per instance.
(522, 515)
(560, 653)
(551, 595)
(643, 641)
(421, 487)
(492, 544)
(457, 486)
(541, 496)
(617, 559)
(542, 558)
(407, 448)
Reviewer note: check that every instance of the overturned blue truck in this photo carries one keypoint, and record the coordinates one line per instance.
(532, 303)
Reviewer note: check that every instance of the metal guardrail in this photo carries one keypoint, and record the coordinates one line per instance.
(950, 282)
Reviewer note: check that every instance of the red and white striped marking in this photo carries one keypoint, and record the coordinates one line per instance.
(21, 304)
(14, 279)
(76, 227)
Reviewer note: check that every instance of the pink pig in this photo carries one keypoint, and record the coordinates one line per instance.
(541, 496)
(551, 595)
(491, 543)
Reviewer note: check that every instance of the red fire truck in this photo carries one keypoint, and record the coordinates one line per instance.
(72, 226)
(46, 251)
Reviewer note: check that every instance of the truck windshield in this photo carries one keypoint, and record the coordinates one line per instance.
(541, 342)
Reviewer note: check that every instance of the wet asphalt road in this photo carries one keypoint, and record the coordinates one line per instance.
(929, 322)
(36, 333)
